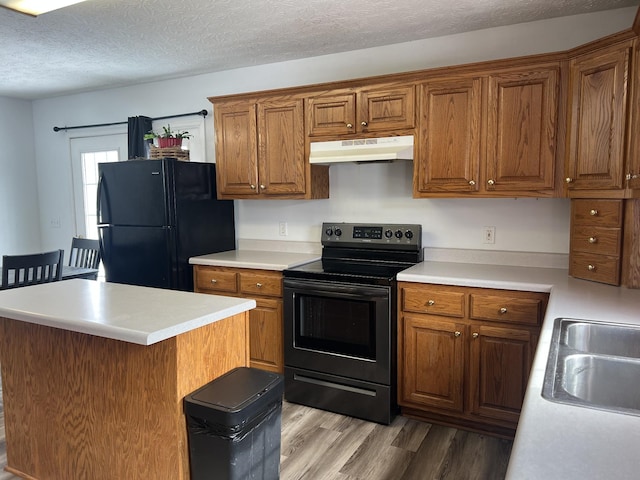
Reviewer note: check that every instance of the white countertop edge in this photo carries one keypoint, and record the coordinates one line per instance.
(115, 332)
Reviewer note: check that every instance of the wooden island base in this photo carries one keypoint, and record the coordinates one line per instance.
(79, 406)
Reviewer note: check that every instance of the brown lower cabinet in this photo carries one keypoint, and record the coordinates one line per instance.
(464, 354)
(265, 321)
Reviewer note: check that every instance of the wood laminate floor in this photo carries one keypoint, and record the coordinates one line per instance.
(319, 445)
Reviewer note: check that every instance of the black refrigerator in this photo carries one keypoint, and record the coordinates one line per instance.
(155, 214)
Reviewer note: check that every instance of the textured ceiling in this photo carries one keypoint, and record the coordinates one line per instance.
(104, 43)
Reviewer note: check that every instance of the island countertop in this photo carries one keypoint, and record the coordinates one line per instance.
(133, 314)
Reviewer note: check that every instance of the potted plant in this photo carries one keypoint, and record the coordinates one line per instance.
(167, 138)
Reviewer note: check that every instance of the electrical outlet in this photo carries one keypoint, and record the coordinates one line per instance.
(284, 230)
(54, 222)
(489, 235)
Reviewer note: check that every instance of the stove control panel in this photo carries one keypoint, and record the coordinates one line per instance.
(354, 234)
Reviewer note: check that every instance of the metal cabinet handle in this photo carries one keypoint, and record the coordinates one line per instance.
(568, 180)
(457, 333)
(472, 182)
(591, 268)
(593, 212)
(252, 186)
(349, 125)
(364, 124)
(214, 281)
(259, 285)
(431, 303)
(475, 335)
(593, 240)
(491, 182)
(503, 310)
(262, 187)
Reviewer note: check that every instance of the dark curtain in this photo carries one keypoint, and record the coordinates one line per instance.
(138, 146)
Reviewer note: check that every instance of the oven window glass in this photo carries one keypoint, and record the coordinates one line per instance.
(336, 325)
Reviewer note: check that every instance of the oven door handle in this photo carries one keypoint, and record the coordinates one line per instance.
(336, 289)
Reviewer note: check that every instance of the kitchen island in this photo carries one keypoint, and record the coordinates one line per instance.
(93, 375)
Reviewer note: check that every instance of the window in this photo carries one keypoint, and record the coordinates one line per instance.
(89, 162)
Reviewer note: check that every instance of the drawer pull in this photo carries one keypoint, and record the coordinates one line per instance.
(431, 303)
(457, 333)
(259, 285)
(568, 180)
(593, 212)
(592, 268)
(364, 124)
(475, 334)
(503, 310)
(593, 240)
(349, 125)
(214, 281)
(472, 182)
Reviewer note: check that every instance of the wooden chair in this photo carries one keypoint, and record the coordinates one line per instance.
(85, 253)
(23, 270)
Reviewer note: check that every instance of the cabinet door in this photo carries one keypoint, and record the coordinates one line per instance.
(598, 95)
(281, 159)
(236, 148)
(448, 145)
(386, 109)
(331, 114)
(521, 130)
(633, 161)
(432, 370)
(500, 362)
(266, 335)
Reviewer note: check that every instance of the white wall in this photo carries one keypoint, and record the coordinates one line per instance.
(362, 193)
(19, 215)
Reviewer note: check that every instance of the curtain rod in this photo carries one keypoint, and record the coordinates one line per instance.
(201, 112)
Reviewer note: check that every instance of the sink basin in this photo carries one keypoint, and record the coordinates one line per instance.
(594, 365)
(605, 339)
(607, 382)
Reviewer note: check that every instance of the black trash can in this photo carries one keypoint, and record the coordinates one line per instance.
(234, 425)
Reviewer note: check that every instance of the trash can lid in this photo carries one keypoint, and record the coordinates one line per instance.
(235, 396)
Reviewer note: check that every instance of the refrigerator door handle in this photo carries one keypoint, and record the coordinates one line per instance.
(98, 203)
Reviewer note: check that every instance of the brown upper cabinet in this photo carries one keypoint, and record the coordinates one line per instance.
(260, 150)
(447, 147)
(518, 110)
(598, 98)
(378, 109)
(633, 134)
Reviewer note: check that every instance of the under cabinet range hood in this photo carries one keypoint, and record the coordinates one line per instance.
(384, 149)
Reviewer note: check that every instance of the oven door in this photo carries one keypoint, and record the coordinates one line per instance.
(339, 328)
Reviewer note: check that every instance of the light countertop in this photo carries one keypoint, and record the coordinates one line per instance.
(553, 440)
(129, 313)
(258, 259)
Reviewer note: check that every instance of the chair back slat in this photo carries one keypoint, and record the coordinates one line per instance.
(85, 253)
(23, 270)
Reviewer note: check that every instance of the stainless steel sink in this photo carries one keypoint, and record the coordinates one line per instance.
(594, 365)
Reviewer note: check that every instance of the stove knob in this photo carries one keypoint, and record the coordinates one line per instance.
(398, 234)
(388, 233)
(408, 234)
(338, 232)
(329, 232)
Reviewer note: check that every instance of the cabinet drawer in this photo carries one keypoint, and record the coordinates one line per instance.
(598, 240)
(434, 301)
(261, 284)
(216, 280)
(598, 213)
(598, 268)
(505, 308)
